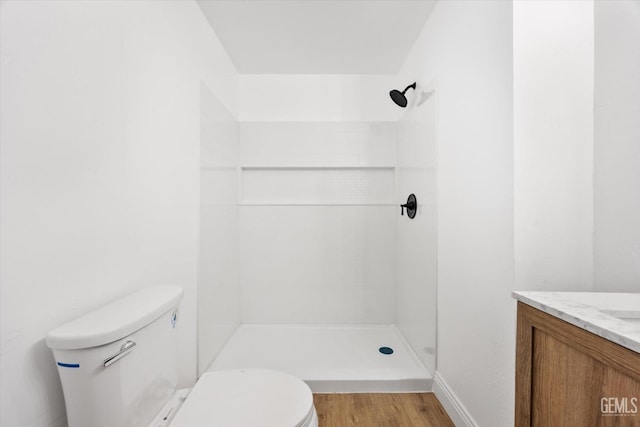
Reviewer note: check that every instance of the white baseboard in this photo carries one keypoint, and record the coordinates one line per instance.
(456, 410)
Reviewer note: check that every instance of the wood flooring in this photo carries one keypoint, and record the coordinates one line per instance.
(380, 410)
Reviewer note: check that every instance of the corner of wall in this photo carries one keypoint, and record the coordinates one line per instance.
(449, 400)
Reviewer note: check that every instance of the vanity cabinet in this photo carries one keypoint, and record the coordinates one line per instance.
(567, 376)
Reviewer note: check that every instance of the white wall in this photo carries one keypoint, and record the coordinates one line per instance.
(218, 276)
(322, 97)
(617, 147)
(416, 247)
(317, 222)
(553, 147)
(466, 48)
(99, 173)
(514, 144)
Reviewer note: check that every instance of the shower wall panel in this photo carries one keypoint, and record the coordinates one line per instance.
(318, 185)
(218, 283)
(317, 222)
(417, 238)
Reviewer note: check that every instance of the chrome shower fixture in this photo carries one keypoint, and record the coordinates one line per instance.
(399, 98)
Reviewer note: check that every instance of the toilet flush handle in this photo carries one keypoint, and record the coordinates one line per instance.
(124, 350)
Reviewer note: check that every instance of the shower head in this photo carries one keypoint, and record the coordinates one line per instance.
(399, 98)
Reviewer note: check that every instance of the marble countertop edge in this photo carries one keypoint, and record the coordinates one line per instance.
(571, 307)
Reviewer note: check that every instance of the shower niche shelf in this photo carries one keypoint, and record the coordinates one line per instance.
(295, 167)
(317, 185)
(312, 203)
(225, 168)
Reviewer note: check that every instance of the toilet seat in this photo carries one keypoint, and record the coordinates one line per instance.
(247, 397)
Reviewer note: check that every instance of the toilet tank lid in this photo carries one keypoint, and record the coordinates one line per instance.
(116, 320)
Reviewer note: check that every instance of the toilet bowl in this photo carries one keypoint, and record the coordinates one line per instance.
(118, 367)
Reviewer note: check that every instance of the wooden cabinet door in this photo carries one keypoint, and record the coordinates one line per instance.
(566, 376)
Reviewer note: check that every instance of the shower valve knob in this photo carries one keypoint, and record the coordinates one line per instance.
(411, 206)
(408, 206)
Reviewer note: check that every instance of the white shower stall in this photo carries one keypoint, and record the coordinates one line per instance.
(306, 264)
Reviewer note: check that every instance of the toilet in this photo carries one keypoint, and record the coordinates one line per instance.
(118, 366)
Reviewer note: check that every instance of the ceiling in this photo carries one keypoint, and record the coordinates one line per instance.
(317, 36)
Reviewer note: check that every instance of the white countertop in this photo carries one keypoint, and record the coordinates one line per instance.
(613, 316)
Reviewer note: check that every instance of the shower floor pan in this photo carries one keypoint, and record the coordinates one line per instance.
(330, 359)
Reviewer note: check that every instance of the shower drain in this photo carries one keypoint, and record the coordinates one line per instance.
(385, 350)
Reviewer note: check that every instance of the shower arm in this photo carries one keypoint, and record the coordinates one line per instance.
(411, 86)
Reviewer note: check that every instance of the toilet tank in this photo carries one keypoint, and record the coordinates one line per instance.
(118, 364)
